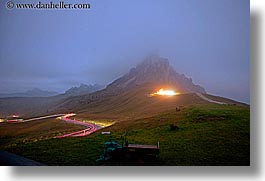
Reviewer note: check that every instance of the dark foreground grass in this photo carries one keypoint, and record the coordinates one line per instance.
(207, 135)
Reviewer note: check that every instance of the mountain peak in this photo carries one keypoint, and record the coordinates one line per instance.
(156, 70)
(154, 60)
(83, 89)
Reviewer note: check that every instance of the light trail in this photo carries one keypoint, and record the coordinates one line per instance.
(32, 119)
(43, 117)
(90, 127)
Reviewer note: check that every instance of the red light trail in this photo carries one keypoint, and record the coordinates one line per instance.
(90, 127)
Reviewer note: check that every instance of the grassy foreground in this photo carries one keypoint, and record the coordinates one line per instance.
(207, 135)
(12, 134)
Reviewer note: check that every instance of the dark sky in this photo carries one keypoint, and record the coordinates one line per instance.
(207, 40)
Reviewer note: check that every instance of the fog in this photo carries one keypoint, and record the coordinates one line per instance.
(207, 40)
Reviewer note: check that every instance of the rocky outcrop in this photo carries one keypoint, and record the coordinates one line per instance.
(156, 70)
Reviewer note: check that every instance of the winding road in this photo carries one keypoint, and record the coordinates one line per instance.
(43, 117)
(90, 127)
(209, 100)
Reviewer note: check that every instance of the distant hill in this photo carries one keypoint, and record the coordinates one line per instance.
(83, 89)
(31, 93)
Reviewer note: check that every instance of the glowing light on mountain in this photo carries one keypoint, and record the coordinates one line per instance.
(163, 92)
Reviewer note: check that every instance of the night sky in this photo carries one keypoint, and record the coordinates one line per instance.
(207, 40)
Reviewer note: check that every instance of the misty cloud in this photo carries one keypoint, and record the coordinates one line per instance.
(55, 50)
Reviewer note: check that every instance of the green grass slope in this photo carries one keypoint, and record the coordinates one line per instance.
(137, 103)
(208, 134)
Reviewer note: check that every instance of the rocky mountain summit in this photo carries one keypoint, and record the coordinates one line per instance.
(156, 70)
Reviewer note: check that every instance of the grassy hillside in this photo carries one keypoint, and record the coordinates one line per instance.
(137, 103)
(12, 134)
(207, 135)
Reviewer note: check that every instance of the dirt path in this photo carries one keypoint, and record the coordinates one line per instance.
(209, 100)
